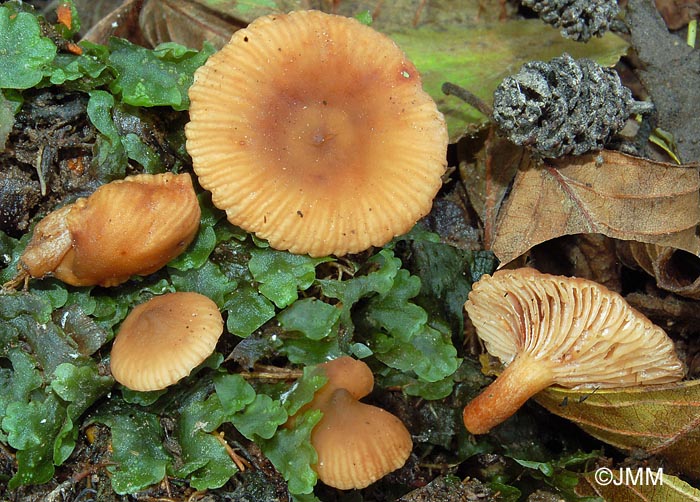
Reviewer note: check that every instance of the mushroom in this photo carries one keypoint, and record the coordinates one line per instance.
(356, 443)
(551, 330)
(127, 227)
(162, 340)
(313, 131)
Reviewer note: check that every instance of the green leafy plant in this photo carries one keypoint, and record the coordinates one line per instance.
(398, 307)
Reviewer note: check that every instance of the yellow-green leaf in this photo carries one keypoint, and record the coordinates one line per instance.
(649, 485)
(662, 420)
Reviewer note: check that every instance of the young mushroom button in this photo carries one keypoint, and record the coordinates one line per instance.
(313, 131)
(163, 340)
(571, 332)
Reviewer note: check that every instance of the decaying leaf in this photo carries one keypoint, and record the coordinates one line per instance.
(674, 270)
(121, 22)
(187, 23)
(678, 13)
(638, 485)
(487, 178)
(662, 420)
(622, 197)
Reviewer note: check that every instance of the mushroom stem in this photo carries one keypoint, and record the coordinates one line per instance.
(523, 378)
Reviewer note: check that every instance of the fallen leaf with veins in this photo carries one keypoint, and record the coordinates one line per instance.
(643, 485)
(660, 420)
(608, 193)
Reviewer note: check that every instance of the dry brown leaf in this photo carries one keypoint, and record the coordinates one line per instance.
(121, 22)
(487, 177)
(674, 270)
(622, 197)
(661, 420)
(185, 22)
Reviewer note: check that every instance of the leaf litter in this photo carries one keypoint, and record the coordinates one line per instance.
(399, 308)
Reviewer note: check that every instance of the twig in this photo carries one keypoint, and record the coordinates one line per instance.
(272, 373)
(240, 462)
(451, 89)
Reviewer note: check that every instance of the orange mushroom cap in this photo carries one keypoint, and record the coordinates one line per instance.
(313, 131)
(162, 340)
(127, 227)
(356, 443)
(347, 373)
(550, 330)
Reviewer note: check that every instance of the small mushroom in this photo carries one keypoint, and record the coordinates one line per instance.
(551, 330)
(127, 227)
(313, 131)
(356, 443)
(162, 340)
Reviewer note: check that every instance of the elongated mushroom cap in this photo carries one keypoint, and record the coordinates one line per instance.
(557, 330)
(312, 131)
(357, 443)
(162, 340)
(127, 227)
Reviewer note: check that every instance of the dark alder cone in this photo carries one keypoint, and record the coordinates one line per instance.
(562, 107)
(577, 19)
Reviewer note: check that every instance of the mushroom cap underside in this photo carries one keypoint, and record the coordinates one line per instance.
(583, 333)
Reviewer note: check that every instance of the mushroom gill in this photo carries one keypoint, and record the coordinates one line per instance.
(571, 332)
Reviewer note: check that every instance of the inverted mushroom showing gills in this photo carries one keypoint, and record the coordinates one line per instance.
(162, 340)
(313, 131)
(571, 332)
(356, 443)
(127, 227)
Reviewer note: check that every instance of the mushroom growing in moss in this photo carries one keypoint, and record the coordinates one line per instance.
(313, 131)
(127, 227)
(551, 330)
(162, 340)
(356, 443)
